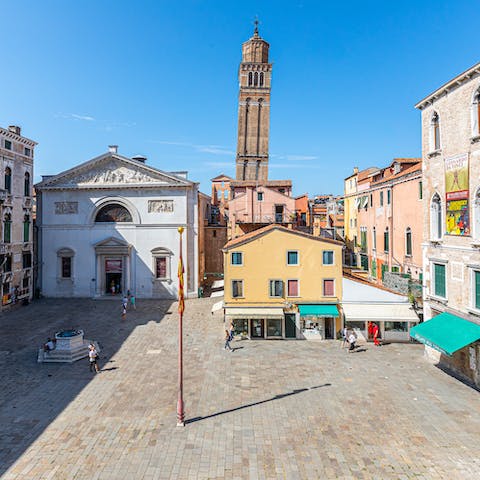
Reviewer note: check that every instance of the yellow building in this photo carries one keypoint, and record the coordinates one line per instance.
(282, 283)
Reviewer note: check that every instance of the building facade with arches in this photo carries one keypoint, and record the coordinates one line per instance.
(110, 225)
(451, 215)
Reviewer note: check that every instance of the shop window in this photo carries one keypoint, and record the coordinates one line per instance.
(276, 288)
(408, 242)
(328, 288)
(292, 257)
(237, 288)
(26, 228)
(236, 258)
(274, 327)
(292, 288)
(7, 228)
(26, 185)
(27, 260)
(327, 256)
(240, 326)
(113, 212)
(8, 180)
(436, 217)
(439, 286)
(476, 289)
(396, 326)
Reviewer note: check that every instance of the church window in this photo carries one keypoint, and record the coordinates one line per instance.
(255, 79)
(113, 212)
(250, 79)
(8, 180)
(161, 263)
(261, 79)
(65, 262)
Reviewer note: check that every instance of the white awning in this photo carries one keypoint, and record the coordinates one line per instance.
(388, 312)
(253, 312)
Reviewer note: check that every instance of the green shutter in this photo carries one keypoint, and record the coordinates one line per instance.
(477, 290)
(440, 280)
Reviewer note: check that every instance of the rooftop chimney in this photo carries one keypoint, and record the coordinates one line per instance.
(113, 148)
(355, 170)
(140, 158)
(15, 129)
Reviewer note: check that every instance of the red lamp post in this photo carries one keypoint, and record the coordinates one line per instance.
(181, 308)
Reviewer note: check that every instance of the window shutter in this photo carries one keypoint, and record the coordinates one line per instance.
(293, 288)
(328, 289)
(477, 290)
(439, 280)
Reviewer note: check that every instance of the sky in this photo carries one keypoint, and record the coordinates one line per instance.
(159, 78)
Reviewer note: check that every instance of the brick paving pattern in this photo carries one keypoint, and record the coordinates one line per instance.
(269, 410)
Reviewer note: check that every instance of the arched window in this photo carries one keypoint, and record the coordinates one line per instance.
(26, 228)
(436, 217)
(26, 185)
(476, 114)
(113, 212)
(255, 79)
(7, 228)
(386, 240)
(250, 79)
(408, 242)
(261, 79)
(8, 180)
(435, 132)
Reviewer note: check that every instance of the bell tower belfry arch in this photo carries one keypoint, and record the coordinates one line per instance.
(254, 76)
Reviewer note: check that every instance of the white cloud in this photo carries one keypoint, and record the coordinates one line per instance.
(295, 166)
(86, 118)
(211, 149)
(219, 164)
(300, 158)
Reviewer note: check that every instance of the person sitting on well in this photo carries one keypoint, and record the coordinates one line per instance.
(50, 345)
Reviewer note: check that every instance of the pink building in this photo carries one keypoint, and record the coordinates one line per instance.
(389, 220)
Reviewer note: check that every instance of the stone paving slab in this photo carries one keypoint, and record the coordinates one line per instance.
(269, 410)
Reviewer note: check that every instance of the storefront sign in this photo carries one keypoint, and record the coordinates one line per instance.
(113, 266)
(456, 188)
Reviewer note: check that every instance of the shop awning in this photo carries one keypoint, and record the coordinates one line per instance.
(379, 312)
(318, 310)
(446, 333)
(253, 312)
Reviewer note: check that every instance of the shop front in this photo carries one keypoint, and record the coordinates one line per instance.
(394, 320)
(319, 321)
(257, 322)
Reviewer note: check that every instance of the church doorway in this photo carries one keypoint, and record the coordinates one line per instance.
(113, 276)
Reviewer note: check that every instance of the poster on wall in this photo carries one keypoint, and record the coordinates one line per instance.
(456, 187)
(113, 266)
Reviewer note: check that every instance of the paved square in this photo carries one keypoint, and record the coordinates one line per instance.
(271, 409)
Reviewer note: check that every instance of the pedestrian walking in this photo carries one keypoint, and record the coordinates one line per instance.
(352, 338)
(93, 358)
(132, 301)
(227, 341)
(376, 333)
(125, 301)
(124, 311)
(231, 330)
(344, 337)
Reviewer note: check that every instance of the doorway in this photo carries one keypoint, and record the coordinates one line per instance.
(329, 329)
(290, 327)
(113, 283)
(256, 328)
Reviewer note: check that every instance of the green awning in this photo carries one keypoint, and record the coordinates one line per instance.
(446, 333)
(318, 310)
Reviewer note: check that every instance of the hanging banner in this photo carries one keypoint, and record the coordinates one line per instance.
(113, 266)
(456, 187)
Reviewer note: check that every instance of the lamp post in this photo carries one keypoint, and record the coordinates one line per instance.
(181, 308)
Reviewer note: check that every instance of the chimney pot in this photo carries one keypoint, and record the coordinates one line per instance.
(113, 148)
(15, 129)
(355, 170)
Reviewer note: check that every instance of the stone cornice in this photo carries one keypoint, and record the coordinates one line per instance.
(456, 82)
(18, 138)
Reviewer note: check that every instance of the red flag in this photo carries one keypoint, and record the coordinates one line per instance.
(181, 271)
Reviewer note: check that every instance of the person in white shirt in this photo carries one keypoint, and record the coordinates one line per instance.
(352, 338)
(93, 357)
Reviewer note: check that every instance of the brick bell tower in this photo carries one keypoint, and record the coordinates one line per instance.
(254, 76)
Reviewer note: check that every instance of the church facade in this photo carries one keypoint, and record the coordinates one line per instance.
(110, 225)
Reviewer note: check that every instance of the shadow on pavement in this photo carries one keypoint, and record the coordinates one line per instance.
(34, 394)
(248, 405)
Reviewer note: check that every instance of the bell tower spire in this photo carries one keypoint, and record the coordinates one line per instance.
(253, 109)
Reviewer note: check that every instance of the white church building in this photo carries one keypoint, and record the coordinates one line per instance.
(110, 225)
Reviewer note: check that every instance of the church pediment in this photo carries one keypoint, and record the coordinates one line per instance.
(112, 246)
(111, 170)
(111, 242)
